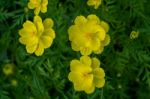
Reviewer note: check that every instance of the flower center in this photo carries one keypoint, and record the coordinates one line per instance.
(89, 36)
(37, 2)
(95, 1)
(33, 33)
(87, 74)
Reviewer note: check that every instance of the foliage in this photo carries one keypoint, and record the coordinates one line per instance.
(126, 61)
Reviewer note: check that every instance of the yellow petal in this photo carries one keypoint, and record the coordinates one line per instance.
(90, 2)
(95, 44)
(97, 4)
(95, 63)
(101, 33)
(39, 24)
(86, 60)
(106, 41)
(46, 41)
(31, 5)
(88, 82)
(43, 9)
(99, 75)
(80, 82)
(25, 40)
(105, 26)
(82, 41)
(48, 23)
(100, 50)
(31, 48)
(74, 64)
(37, 10)
(49, 32)
(99, 83)
(83, 83)
(28, 40)
(77, 66)
(75, 47)
(25, 32)
(75, 77)
(40, 49)
(85, 51)
(40, 28)
(80, 20)
(78, 87)
(29, 26)
(76, 35)
(90, 90)
(37, 19)
(94, 18)
(73, 31)
(44, 2)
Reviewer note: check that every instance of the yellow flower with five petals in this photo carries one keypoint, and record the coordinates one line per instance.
(88, 35)
(38, 5)
(37, 35)
(86, 74)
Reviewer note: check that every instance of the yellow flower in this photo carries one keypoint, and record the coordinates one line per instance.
(14, 82)
(89, 34)
(38, 5)
(86, 74)
(36, 35)
(134, 34)
(8, 69)
(95, 3)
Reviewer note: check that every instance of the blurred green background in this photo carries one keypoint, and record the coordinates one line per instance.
(126, 61)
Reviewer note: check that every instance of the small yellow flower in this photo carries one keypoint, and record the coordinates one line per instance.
(95, 3)
(38, 5)
(8, 69)
(134, 34)
(86, 74)
(14, 82)
(37, 35)
(88, 35)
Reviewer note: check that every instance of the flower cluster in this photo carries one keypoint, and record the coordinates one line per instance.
(86, 74)
(95, 3)
(89, 35)
(37, 35)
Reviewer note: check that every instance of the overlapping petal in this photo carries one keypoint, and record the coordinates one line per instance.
(48, 23)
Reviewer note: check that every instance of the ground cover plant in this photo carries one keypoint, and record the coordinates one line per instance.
(74, 49)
